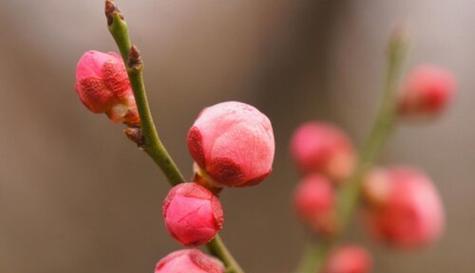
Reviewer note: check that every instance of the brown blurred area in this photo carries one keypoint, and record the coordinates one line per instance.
(76, 196)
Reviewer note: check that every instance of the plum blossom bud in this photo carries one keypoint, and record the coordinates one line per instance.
(314, 201)
(189, 261)
(193, 215)
(403, 207)
(103, 86)
(323, 148)
(233, 144)
(349, 259)
(427, 91)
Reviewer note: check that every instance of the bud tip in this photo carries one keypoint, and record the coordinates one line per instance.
(110, 10)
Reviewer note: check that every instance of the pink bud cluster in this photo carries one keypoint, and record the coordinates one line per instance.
(325, 156)
(232, 144)
(103, 86)
(403, 207)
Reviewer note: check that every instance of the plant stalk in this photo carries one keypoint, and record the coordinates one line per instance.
(152, 144)
(348, 196)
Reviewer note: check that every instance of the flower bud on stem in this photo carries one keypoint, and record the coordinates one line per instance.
(152, 143)
(348, 197)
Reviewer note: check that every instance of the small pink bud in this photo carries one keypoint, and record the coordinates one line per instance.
(233, 143)
(323, 148)
(403, 207)
(349, 259)
(314, 201)
(103, 86)
(193, 215)
(189, 261)
(427, 91)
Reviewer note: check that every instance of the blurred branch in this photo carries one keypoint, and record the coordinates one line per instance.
(314, 257)
(348, 196)
(151, 140)
(382, 128)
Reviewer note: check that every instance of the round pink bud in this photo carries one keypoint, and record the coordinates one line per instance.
(314, 201)
(103, 86)
(427, 91)
(323, 148)
(189, 261)
(193, 215)
(233, 143)
(349, 259)
(403, 207)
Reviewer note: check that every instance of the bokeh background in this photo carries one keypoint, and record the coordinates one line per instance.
(76, 196)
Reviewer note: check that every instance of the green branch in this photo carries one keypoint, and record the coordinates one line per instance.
(314, 257)
(149, 138)
(219, 249)
(380, 132)
(151, 141)
(348, 196)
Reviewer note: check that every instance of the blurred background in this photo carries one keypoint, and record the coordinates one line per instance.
(76, 196)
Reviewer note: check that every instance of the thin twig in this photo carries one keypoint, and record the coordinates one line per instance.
(152, 144)
(348, 196)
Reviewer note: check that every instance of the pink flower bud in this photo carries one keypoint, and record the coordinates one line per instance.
(193, 215)
(314, 201)
(233, 143)
(403, 207)
(349, 259)
(427, 91)
(103, 86)
(323, 148)
(189, 261)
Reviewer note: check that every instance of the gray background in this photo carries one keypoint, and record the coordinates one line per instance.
(76, 196)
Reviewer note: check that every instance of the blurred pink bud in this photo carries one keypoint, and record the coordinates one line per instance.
(427, 91)
(323, 148)
(233, 143)
(193, 215)
(103, 86)
(349, 259)
(189, 261)
(403, 207)
(314, 201)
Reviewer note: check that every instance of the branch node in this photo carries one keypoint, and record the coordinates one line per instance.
(135, 135)
(134, 60)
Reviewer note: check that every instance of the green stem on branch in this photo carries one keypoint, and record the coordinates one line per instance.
(314, 257)
(348, 196)
(380, 132)
(152, 144)
(219, 249)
